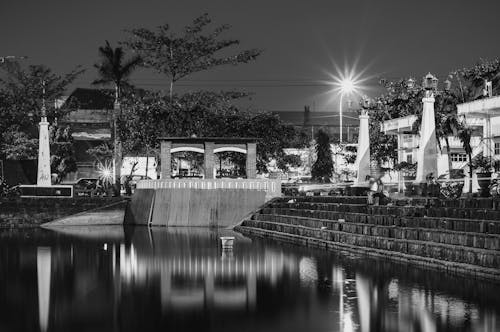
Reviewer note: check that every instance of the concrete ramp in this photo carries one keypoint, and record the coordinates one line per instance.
(92, 232)
(112, 214)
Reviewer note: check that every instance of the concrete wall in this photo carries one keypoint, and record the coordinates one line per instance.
(192, 207)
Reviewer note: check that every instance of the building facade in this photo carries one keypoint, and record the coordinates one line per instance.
(483, 116)
(91, 125)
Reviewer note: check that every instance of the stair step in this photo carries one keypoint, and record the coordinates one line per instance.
(412, 211)
(454, 224)
(468, 239)
(466, 203)
(461, 254)
(477, 271)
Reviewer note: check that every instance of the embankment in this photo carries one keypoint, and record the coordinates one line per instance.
(28, 212)
(461, 236)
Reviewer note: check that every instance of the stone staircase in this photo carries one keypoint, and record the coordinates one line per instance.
(461, 236)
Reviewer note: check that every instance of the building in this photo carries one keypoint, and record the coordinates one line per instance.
(482, 115)
(312, 121)
(90, 124)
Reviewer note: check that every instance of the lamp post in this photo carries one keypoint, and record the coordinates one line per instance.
(362, 163)
(346, 86)
(427, 152)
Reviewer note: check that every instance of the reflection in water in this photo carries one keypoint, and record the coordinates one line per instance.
(180, 280)
(43, 260)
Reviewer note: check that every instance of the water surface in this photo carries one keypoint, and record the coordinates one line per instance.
(178, 279)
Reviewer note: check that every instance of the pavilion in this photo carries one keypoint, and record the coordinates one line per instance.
(201, 202)
(208, 146)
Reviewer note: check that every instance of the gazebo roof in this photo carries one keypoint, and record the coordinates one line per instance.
(219, 140)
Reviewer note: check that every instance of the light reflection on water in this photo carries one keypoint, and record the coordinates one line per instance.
(140, 279)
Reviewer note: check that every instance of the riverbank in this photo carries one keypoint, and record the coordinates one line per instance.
(459, 236)
(31, 212)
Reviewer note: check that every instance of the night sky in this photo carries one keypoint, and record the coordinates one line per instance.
(302, 40)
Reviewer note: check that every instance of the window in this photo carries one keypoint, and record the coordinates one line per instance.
(497, 148)
(458, 157)
(409, 159)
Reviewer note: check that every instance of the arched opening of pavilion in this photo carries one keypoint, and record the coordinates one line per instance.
(230, 163)
(187, 164)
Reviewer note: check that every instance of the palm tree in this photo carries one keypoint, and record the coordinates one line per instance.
(465, 134)
(447, 123)
(114, 69)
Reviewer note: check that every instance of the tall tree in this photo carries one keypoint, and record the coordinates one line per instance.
(322, 168)
(465, 135)
(195, 49)
(114, 69)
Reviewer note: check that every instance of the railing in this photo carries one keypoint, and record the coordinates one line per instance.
(455, 142)
(479, 106)
(271, 187)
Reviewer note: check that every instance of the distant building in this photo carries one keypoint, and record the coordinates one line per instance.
(91, 125)
(311, 121)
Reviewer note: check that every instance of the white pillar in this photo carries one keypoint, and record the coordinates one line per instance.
(44, 175)
(427, 152)
(43, 271)
(400, 159)
(362, 163)
(487, 150)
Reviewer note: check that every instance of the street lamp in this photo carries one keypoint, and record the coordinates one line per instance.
(346, 85)
(410, 83)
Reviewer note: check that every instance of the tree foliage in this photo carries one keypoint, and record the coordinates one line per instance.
(21, 94)
(17, 145)
(62, 152)
(178, 55)
(149, 116)
(475, 76)
(322, 169)
(113, 67)
(22, 91)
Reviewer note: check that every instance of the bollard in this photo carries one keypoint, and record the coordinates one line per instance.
(227, 242)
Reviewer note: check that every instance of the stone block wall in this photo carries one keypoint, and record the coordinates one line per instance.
(461, 235)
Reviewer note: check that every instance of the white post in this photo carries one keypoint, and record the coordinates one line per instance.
(427, 151)
(340, 117)
(400, 159)
(43, 176)
(362, 163)
(487, 151)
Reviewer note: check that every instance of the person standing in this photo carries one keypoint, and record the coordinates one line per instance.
(373, 189)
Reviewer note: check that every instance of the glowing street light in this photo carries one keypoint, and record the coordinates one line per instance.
(346, 86)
